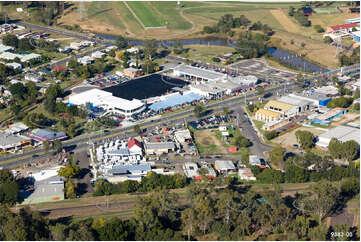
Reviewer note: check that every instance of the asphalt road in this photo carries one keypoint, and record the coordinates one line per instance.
(81, 142)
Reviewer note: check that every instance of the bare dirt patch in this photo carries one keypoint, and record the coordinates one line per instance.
(287, 140)
(208, 138)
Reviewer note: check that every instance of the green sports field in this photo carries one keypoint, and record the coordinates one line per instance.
(149, 15)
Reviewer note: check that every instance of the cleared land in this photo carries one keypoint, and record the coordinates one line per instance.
(148, 14)
(286, 23)
(287, 140)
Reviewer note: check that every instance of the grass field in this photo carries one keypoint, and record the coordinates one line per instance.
(326, 10)
(147, 13)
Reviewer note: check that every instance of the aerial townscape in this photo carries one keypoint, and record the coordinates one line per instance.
(180, 120)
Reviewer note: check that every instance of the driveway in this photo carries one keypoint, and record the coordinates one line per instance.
(84, 180)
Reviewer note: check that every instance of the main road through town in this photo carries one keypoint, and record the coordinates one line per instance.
(82, 141)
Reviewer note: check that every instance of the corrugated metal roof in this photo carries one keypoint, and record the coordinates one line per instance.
(268, 113)
(280, 105)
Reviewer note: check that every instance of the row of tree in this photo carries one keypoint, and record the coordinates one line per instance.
(226, 23)
(152, 181)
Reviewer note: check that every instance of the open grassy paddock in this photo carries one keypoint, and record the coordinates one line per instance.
(148, 15)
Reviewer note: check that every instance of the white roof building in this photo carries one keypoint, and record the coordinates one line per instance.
(14, 65)
(98, 54)
(342, 133)
(195, 72)
(86, 60)
(246, 174)
(107, 101)
(190, 169)
(327, 90)
(33, 77)
(109, 48)
(4, 48)
(182, 135)
(132, 50)
(224, 165)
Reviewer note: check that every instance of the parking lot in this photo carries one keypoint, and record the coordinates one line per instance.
(261, 67)
(210, 122)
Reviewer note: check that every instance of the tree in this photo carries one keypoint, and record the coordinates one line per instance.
(69, 171)
(241, 141)
(305, 139)
(102, 187)
(57, 146)
(150, 49)
(70, 188)
(350, 150)
(199, 110)
(270, 134)
(73, 63)
(327, 40)
(324, 198)
(270, 176)
(122, 42)
(291, 11)
(188, 218)
(318, 29)
(113, 230)
(46, 145)
(10, 40)
(277, 155)
(137, 129)
(335, 148)
(350, 187)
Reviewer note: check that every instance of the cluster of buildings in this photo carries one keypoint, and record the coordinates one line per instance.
(112, 105)
(343, 133)
(350, 29)
(8, 54)
(19, 135)
(211, 84)
(223, 168)
(44, 186)
(277, 113)
(131, 159)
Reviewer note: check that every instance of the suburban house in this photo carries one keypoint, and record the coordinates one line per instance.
(131, 72)
(224, 166)
(135, 146)
(33, 77)
(246, 174)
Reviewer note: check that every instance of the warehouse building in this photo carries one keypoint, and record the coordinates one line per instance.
(198, 74)
(10, 141)
(267, 115)
(329, 91)
(284, 109)
(317, 99)
(158, 148)
(105, 100)
(301, 104)
(216, 89)
(342, 133)
(327, 117)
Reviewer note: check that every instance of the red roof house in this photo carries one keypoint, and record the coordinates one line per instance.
(59, 68)
(341, 27)
(135, 146)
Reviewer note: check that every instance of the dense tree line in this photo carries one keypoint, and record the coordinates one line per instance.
(87, 71)
(341, 102)
(298, 15)
(347, 60)
(19, 44)
(251, 45)
(228, 213)
(9, 188)
(226, 23)
(150, 182)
